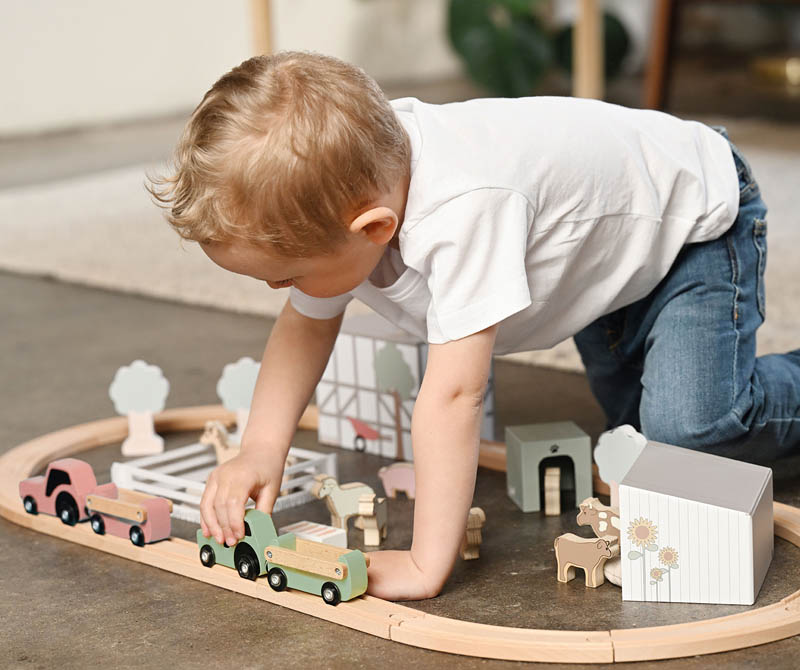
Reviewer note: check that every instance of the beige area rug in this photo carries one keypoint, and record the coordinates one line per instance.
(102, 230)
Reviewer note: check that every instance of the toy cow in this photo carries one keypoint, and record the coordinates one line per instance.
(372, 514)
(398, 477)
(471, 543)
(604, 520)
(589, 554)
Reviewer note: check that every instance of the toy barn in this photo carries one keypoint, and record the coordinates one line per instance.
(696, 528)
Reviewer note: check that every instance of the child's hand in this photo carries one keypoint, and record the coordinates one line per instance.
(249, 474)
(393, 575)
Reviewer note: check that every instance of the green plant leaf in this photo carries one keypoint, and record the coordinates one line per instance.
(652, 582)
(652, 547)
(633, 555)
(502, 42)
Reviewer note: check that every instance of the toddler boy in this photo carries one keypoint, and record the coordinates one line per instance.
(489, 226)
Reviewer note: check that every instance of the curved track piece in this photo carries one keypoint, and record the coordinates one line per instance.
(379, 617)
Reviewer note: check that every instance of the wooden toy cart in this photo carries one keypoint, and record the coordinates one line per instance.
(125, 513)
(336, 574)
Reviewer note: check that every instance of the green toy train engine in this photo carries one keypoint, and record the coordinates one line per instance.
(334, 573)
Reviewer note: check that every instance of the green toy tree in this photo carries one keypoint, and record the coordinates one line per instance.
(394, 376)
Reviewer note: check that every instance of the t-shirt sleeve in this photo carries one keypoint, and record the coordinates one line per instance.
(472, 251)
(318, 308)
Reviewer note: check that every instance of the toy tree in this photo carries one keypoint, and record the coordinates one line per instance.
(394, 377)
(615, 453)
(235, 389)
(137, 391)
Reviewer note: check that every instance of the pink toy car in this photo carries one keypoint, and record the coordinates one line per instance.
(62, 490)
(398, 477)
(125, 513)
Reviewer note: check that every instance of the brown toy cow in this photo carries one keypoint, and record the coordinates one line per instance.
(471, 543)
(372, 514)
(589, 554)
(604, 520)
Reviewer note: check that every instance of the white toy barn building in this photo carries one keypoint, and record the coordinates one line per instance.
(695, 528)
(367, 392)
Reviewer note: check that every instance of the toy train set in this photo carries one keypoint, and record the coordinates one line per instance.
(372, 615)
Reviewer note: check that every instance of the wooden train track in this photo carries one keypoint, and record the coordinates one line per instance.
(379, 617)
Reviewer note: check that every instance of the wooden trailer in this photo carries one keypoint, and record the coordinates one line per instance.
(335, 574)
(124, 513)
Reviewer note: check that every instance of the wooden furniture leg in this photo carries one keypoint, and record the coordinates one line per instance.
(588, 59)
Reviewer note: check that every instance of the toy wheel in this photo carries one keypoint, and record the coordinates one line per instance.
(277, 579)
(330, 593)
(360, 443)
(207, 556)
(98, 525)
(247, 564)
(29, 504)
(137, 536)
(67, 509)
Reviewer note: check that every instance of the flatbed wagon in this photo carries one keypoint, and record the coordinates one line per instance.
(332, 572)
(124, 513)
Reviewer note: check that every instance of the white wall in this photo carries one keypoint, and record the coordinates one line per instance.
(67, 64)
(393, 40)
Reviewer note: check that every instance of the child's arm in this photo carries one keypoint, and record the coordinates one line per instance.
(445, 434)
(295, 357)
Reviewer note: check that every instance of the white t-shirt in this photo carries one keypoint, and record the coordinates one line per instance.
(541, 214)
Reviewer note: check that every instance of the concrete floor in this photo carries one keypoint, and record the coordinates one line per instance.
(67, 606)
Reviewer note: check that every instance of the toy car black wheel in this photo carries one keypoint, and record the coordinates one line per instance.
(207, 556)
(246, 563)
(330, 593)
(360, 443)
(67, 509)
(29, 504)
(137, 536)
(277, 579)
(97, 523)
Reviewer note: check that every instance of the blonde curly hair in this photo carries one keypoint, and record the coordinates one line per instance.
(283, 150)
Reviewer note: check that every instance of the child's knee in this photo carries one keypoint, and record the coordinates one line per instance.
(689, 424)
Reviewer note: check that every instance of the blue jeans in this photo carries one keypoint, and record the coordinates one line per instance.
(680, 364)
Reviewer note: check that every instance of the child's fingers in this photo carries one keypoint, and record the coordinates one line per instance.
(266, 499)
(235, 509)
(207, 512)
(221, 509)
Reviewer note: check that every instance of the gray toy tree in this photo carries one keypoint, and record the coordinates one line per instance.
(235, 389)
(137, 391)
(394, 376)
(615, 453)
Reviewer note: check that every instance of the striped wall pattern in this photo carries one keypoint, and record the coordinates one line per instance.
(348, 388)
(677, 550)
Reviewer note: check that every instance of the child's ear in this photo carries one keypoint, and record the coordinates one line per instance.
(378, 224)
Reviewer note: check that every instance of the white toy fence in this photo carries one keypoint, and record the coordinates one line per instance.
(180, 475)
